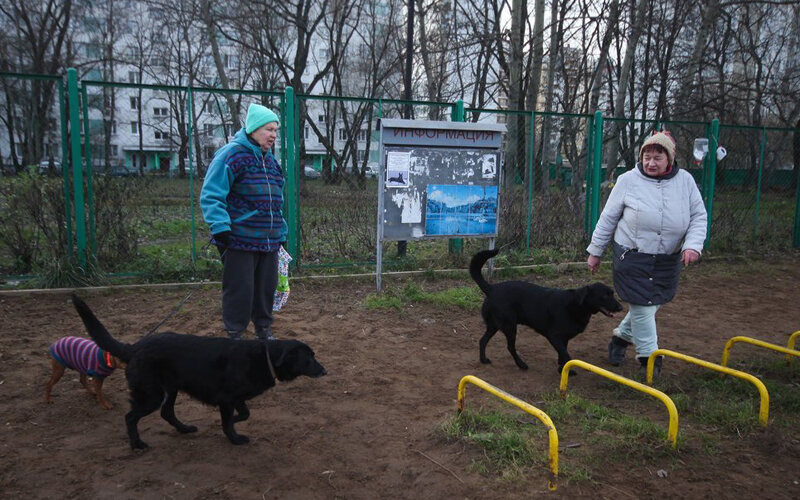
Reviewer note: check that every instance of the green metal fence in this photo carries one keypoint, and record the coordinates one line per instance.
(131, 206)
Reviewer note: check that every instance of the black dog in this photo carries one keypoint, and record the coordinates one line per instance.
(217, 371)
(557, 314)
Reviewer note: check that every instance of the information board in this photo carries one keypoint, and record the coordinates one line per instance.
(438, 180)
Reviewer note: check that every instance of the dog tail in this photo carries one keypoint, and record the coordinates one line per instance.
(99, 333)
(475, 266)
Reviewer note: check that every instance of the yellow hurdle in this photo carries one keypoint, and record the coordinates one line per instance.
(672, 433)
(790, 345)
(551, 429)
(747, 340)
(763, 414)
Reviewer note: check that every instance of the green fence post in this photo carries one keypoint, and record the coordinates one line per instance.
(796, 232)
(456, 245)
(87, 154)
(292, 207)
(758, 185)
(77, 166)
(704, 181)
(191, 166)
(587, 177)
(530, 185)
(597, 168)
(713, 142)
(62, 107)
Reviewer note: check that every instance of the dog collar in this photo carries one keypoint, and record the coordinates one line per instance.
(108, 359)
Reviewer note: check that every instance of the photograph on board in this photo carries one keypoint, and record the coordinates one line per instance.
(397, 169)
(460, 210)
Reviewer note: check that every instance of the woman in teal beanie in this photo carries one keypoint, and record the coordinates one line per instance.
(242, 200)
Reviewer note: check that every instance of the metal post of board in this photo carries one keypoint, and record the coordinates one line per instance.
(77, 166)
(455, 246)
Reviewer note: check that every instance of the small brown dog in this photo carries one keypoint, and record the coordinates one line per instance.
(86, 358)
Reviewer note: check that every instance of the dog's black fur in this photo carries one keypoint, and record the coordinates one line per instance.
(217, 371)
(557, 314)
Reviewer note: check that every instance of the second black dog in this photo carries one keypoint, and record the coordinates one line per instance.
(217, 371)
(557, 314)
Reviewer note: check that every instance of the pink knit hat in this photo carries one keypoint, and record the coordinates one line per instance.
(663, 139)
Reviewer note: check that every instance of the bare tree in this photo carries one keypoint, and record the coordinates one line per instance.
(37, 34)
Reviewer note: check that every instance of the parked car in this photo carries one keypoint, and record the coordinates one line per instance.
(44, 167)
(310, 173)
(123, 171)
(371, 171)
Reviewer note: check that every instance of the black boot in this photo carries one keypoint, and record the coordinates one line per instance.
(616, 350)
(656, 367)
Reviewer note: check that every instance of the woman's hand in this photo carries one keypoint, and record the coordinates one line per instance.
(689, 256)
(594, 262)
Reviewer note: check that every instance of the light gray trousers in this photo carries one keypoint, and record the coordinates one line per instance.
(639, 327)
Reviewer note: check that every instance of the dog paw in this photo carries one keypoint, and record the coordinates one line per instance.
(239, 439)
(186, 429)
(486, 361)
(139, 445)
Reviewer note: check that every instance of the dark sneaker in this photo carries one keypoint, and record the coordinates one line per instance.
(616, 350)
(264, 335)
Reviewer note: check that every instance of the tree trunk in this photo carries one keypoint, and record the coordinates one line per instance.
(624, 75)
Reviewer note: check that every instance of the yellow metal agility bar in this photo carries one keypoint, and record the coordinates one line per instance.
(790, 345)
(763, 413)
(789, 352)
(672, 434)
(551, 429)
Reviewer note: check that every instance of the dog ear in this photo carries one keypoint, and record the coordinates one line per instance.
(580, 294)
(282, 356)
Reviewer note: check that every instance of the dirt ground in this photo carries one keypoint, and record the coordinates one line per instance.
(367, 429)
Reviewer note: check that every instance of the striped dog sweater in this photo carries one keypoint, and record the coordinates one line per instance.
(83, 356)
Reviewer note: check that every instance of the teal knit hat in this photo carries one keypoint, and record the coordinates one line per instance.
(258, 115)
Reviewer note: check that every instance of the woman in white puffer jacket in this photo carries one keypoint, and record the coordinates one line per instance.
(655, 219)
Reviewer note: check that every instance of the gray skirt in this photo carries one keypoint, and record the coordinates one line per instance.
(645, 278)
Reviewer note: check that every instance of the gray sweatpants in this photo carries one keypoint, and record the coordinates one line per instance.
(249, 280)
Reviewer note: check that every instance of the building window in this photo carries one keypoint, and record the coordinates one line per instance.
(114, 127)
(231, 130)
(160, 136)
(135, 128)
(160, 112)
(209, 152)
(208, 129)
(134, 102)
(361, 155)
(321, 119)
(342, 134)
(114, 149)
(133, 77)
(362, 135)
(305, 132)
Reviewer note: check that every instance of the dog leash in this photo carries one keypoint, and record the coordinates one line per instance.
(269, 363)
(171, 314)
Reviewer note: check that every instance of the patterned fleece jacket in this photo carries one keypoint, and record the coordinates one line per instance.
(243, 193)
